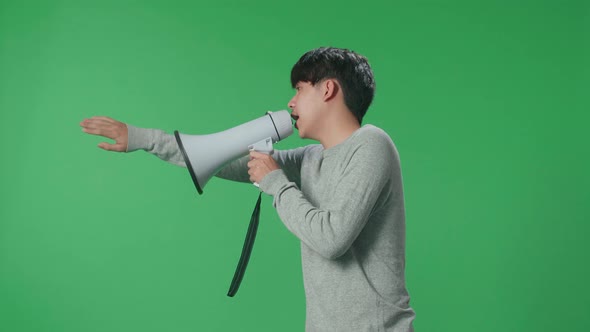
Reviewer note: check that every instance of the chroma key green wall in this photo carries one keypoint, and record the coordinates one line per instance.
(487, 102)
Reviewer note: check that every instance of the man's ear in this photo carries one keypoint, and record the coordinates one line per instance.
(330, 89)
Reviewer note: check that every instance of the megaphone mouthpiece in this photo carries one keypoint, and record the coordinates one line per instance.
(282, 122)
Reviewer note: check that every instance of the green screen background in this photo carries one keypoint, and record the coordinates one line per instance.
(486, 101)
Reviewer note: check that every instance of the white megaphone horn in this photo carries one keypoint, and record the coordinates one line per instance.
(225, 146)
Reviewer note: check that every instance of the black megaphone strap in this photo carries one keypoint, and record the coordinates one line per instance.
(246, 249)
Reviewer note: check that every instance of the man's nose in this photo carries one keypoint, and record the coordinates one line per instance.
(291, 103)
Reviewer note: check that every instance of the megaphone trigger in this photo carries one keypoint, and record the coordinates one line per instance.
(263, 146)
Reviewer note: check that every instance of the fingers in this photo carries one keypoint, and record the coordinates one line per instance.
(104, 118)
(103, 126)
(255, 169)
(256, 172)
(97, 123)
(258, 162)
(258, 155)
(264, 159)
(260, 165)
(112, 147)
(100, 132)
(103, 121)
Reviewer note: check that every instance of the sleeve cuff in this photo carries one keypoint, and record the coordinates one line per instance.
(135, 138)
(273, 182)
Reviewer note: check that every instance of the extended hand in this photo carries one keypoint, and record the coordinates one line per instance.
(260, 165)
(107, 127)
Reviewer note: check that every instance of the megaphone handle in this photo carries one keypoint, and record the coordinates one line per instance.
(264, 146)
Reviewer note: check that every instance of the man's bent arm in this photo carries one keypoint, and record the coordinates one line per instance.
(331, 229)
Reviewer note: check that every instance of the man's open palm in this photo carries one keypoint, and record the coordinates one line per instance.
(107, 127)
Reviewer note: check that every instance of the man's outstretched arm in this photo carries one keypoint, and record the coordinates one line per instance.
(129, 138)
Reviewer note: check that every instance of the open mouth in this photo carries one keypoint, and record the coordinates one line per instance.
(295, 118)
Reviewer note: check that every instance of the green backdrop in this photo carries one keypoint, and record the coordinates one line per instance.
(487, 102)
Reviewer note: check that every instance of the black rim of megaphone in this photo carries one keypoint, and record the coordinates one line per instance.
(188, 162)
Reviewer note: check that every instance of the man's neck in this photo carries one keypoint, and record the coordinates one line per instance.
(338, 133)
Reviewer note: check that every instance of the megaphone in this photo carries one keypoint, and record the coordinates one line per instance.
(225, 146)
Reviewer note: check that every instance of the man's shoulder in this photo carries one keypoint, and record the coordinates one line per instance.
(373, 135)
(372, 131)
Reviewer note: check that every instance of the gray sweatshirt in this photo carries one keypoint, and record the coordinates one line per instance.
(346, 206)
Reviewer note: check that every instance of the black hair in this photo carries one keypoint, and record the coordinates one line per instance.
(350, 69)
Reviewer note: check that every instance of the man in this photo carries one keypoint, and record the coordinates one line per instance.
(342, 198)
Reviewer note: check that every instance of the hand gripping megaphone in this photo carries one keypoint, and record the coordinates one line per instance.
(225, 146)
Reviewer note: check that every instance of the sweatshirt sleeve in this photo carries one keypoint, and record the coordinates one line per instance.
(330, 229)
(156, 142)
